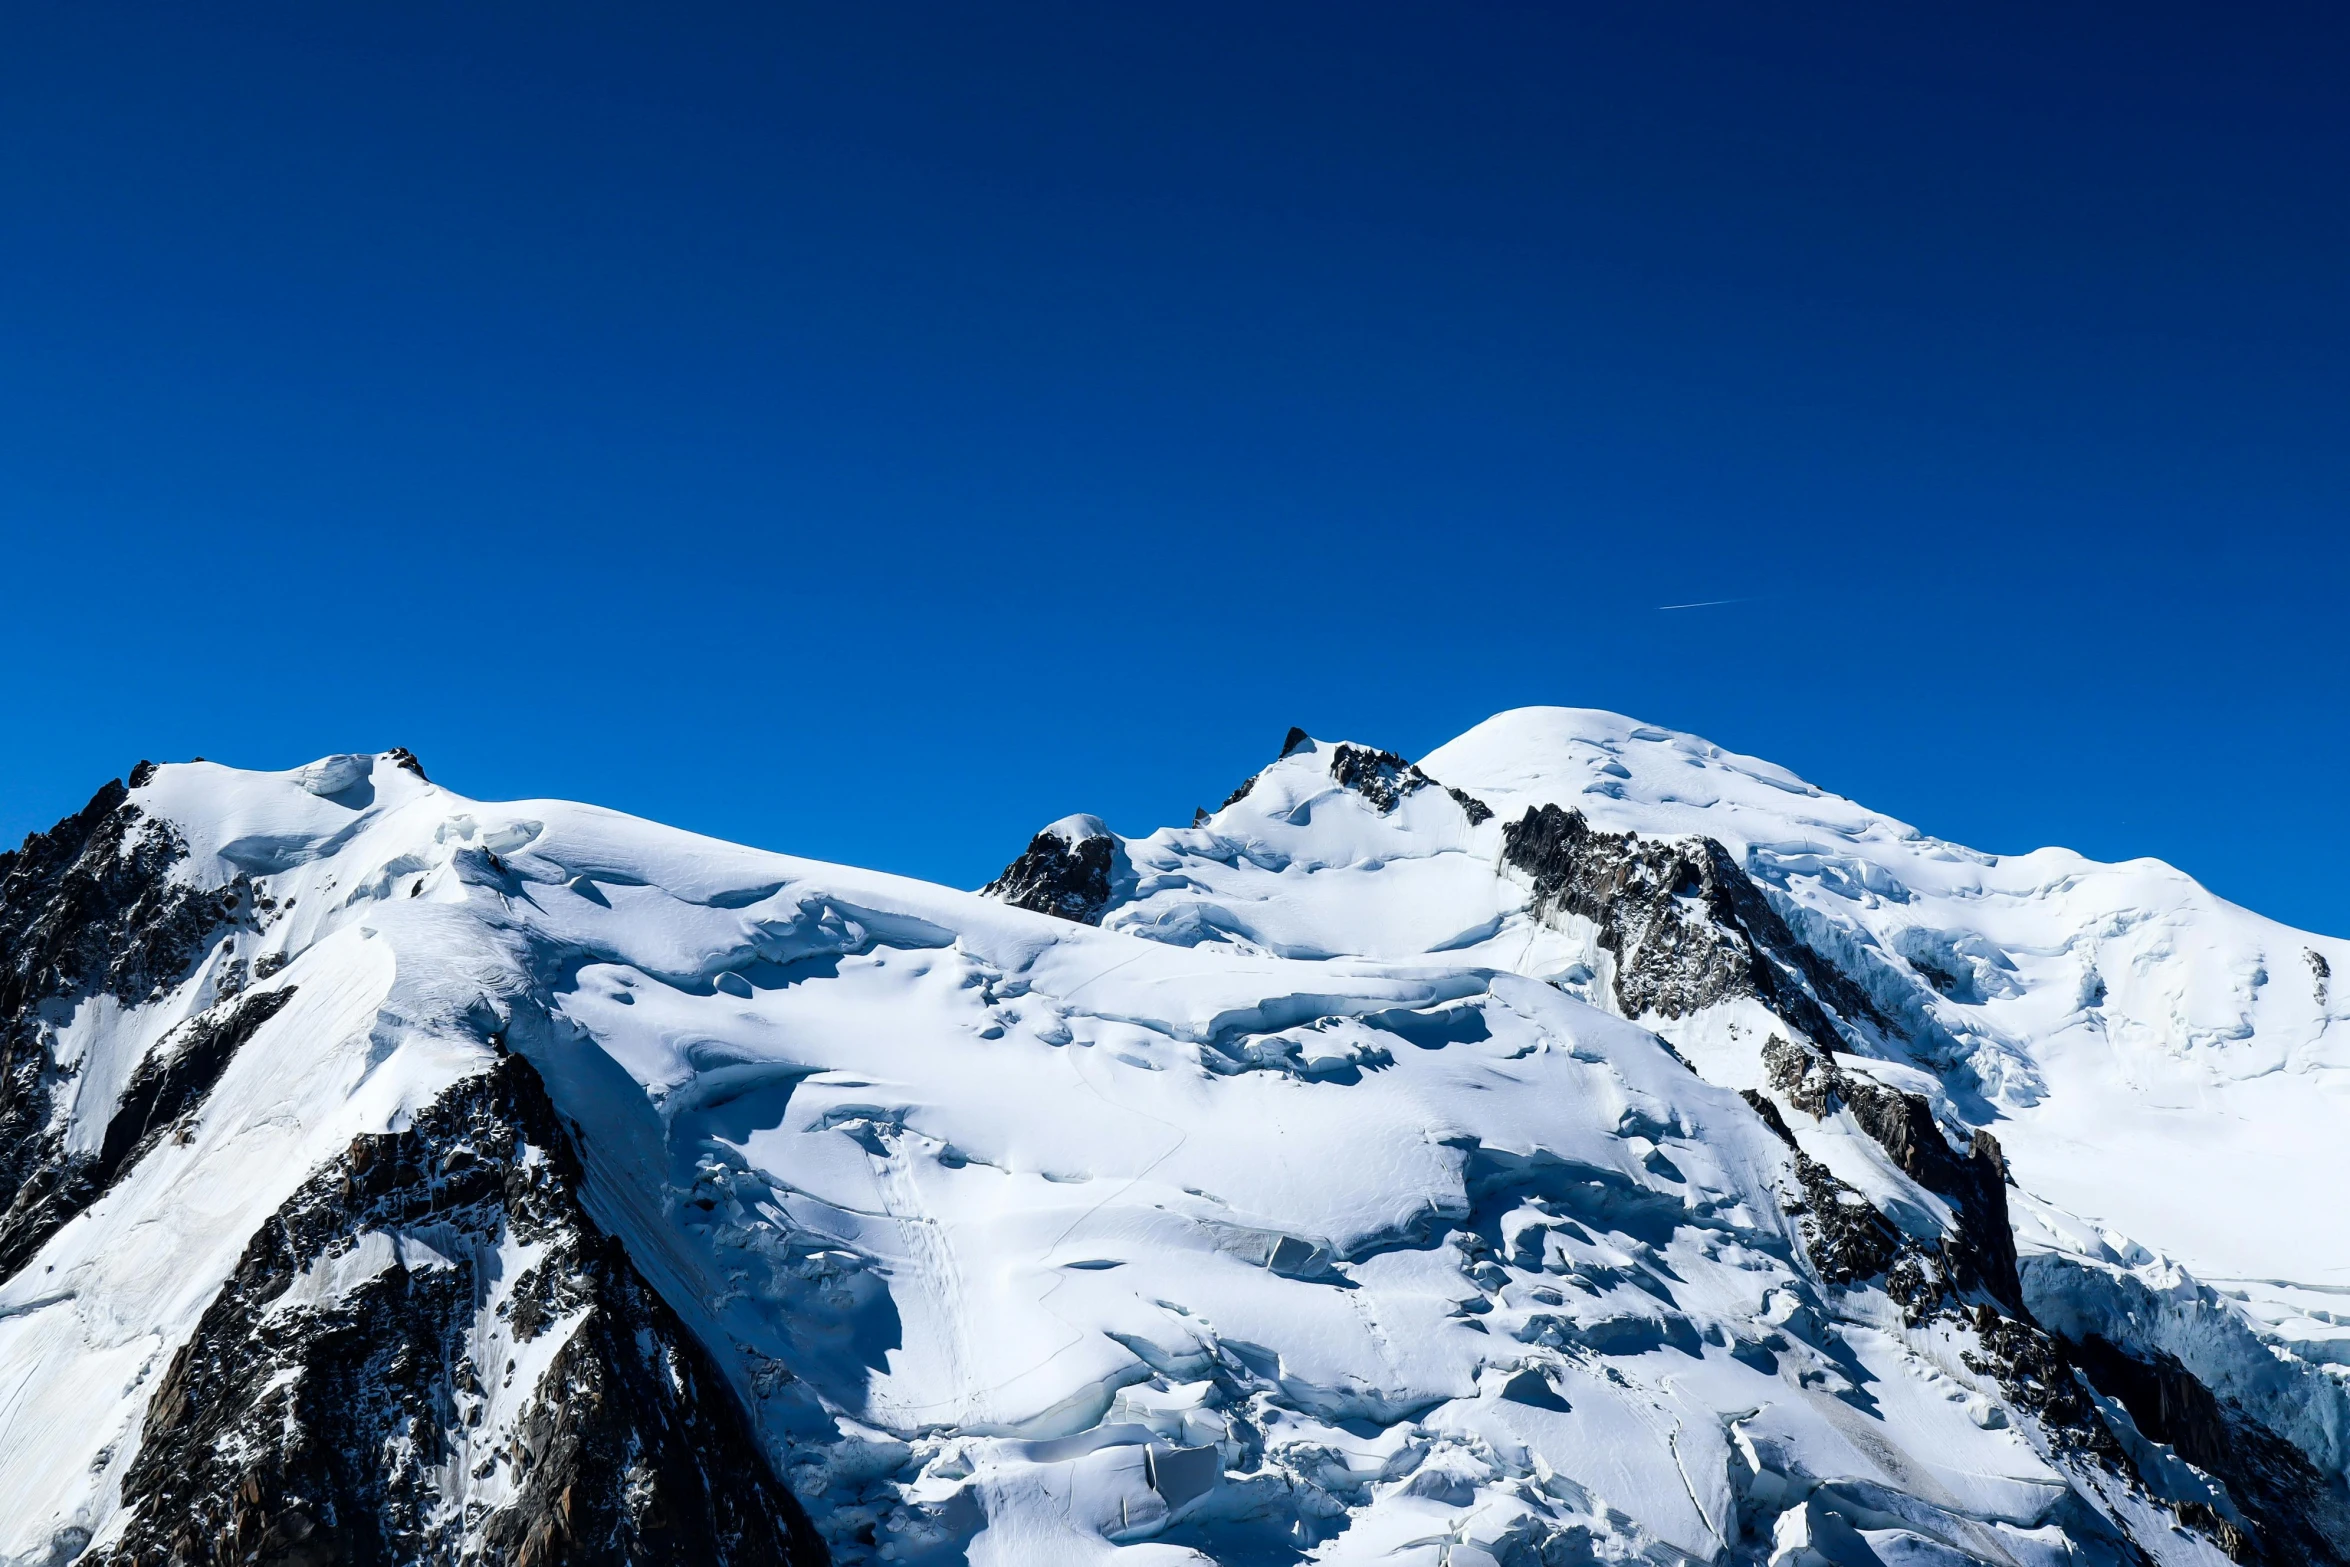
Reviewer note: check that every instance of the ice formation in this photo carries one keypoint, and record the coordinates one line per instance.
(1584, 1144)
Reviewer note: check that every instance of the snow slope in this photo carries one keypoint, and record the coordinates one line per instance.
(1298, 1189)
(2155, 1060)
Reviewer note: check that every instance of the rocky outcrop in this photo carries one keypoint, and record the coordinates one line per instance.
(168, 1087)
(1386, 779)
(2039, 1374)
(2036, 1374)
(1688, 930)
(1068, 871)
(89, 907)
(1478, 812)
(1686, 926)
(1381, 777)
(1850, 1243)
(1981, 1255)
(2299, 1516)
(1848, 1240)
(430, 1354)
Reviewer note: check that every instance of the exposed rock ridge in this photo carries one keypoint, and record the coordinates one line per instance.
(170, 1085)
(1385, 779)
(1478, 812)
(351, 1394)
(2299, 1518)
(1850, 1243)
(1687, 927)
(2263, 1507)
(1847, 1239)
(1381, 777)
(2051, 1380)
(1068, 878)
(89, 907)
(1982, 1253)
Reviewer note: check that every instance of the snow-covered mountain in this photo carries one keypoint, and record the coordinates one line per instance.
(1585, 1144)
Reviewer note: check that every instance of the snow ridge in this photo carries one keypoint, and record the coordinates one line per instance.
(1582, 1144)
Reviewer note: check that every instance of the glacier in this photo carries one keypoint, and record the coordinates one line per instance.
(1583, 1144)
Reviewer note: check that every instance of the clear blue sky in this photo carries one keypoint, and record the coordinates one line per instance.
(873, 431)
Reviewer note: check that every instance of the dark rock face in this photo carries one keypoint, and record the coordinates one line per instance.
(2300, 1517)
(377, 1424)
(1982, 1253)
(169, 1085)
(1762, 1106)
(86, 908)
(2162, 1396)
(2044, 1377)
(1688, 928)
(2035, 1373)
(1381, 777)
(1071, 881)
(1384, 779)
(1478, 812)
(1849, 1240)
(401, 756)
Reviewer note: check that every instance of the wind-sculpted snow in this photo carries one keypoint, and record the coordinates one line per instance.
(2086, 1005)
(2148, 1055)
(1289, 1187)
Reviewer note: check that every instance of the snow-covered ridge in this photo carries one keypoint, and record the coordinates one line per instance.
(1298, 1187)
(2092, 1011)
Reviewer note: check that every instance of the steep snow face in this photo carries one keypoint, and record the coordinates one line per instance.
(1301, 863)
(2154, 1057)
(248, 1306)
(2161, 1067)
(1034, 1242)
(1312, 1205)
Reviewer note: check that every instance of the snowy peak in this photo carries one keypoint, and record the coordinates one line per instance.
(293, 1253)
(1583, 1144)
(1627, 775)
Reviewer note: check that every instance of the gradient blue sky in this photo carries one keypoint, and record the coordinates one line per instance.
(873, 431)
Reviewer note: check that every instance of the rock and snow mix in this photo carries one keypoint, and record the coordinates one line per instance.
(1583, 1144)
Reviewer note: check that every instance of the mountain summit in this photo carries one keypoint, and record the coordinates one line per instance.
(1580, 1144)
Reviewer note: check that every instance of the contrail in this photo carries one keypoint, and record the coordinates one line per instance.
(1701, 604)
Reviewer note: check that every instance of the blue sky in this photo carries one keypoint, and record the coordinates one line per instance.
(875, 431)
